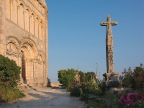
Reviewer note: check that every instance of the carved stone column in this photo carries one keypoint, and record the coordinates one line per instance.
(46, 48)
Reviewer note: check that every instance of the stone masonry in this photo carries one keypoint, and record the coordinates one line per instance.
(110, 75)
(24, 38)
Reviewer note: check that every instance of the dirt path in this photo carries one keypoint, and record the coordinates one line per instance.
(45, 98)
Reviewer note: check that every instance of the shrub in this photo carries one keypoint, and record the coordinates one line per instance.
(9, 77)
(9, 72)
(10, 94)
(133, 79)
(65, 76)
(75, 91)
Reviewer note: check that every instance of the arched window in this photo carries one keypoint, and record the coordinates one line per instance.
(14, 11)
(37, 27)
(27, 19)
(21, 15)
(32, 24)
(8, 9)
(41, 30)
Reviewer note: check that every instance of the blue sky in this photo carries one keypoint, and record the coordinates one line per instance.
(76, 39)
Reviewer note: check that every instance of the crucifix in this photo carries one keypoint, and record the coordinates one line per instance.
(109, 44)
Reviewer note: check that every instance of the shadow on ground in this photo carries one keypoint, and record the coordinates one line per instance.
(53, 97)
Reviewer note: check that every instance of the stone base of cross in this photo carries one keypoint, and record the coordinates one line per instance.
(113, 76)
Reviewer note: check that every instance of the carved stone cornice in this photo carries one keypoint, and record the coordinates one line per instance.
(11, 53)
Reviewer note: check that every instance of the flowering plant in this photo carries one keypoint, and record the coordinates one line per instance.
(132, 100)
(127, 78)
(133, 79)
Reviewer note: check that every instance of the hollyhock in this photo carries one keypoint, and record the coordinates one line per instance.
(140, 97)
(132, 96)
(123, 99)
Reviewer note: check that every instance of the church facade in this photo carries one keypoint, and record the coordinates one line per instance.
(24, 38)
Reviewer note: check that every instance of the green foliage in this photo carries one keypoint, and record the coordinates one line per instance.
(76, 91)
(109, 100)
(10, 94)
(9, 77)
(9, 72)
(96, 103)
(128, 80)
(82, 91)
(102, 86)
(89, 77)
(93, 88)
(0, 96)
(139, 77)
(65, 76)
(134, 79)
(82, 77)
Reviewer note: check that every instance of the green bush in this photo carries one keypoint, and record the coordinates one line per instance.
(9, 72)
(133, 79)
(10, 94)
(65, 76)
(9, 78)
(75, 91)
(85, 90)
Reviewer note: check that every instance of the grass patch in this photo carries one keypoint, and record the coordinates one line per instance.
(10, 94)
(96, 103)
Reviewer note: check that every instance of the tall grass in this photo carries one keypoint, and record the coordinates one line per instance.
(10, 94)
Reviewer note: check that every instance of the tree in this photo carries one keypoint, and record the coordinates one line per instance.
(9, 72)
(134, 79)
(66, 76)
(82, 77)
(139, 77)
(9, 77)
(90, 77)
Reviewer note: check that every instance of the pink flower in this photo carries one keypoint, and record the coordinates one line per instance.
(131, 102)
(123, 99)
(140, 97)
(132, 96)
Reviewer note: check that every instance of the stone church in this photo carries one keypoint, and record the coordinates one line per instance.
(24, 38)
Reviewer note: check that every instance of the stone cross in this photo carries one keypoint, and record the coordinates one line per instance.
(109, 45)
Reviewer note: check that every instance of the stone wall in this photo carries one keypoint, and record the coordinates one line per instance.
(24, 38)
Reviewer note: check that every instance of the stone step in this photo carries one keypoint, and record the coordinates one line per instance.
(23, 87)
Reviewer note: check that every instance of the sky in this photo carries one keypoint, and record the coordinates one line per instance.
(76, 39)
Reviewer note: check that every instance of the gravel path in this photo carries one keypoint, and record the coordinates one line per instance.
(45, 98)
